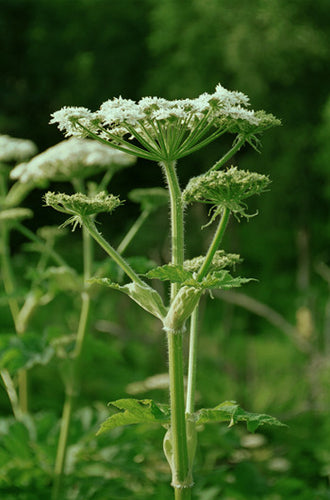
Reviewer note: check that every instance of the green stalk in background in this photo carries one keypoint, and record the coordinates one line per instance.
(10, 289)
(72, 382)
(89, 231)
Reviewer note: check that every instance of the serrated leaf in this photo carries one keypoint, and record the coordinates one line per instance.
(145, 296)
(135, 411)
(223, 279)
(220, 279)
(170, 272)
(24, 351)
(231, 412)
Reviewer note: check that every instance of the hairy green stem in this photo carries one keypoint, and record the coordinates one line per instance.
(180, 464)
(214, 244)
(236, 147)
(89, 224)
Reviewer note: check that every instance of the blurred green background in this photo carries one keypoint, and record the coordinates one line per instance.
(268, 346)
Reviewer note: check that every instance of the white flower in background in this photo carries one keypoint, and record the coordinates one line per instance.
(16, 150)
(165, 130)
(73, 158)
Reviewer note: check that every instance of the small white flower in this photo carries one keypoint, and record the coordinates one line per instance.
(232, 98)
(16, 150)
(68, 117)
(239, 113)
(120, 110)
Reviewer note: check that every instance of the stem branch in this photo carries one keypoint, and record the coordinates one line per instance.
(89, 224)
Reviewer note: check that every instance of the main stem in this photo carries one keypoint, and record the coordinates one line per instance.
(71, 386)
(180, 480)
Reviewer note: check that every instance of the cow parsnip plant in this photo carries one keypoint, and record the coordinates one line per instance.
(164, 131)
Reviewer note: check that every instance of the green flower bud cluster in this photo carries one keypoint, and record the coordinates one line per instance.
(82, 205)
(226, 189)
(220, 260)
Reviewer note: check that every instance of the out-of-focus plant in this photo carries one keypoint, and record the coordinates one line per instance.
(165, 131)
(12, 151)
(74, 161)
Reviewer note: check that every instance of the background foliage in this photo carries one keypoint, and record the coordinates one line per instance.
(83, 52)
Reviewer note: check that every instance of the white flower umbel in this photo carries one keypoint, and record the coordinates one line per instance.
(14, 150)
(73, 158)
(165, 130)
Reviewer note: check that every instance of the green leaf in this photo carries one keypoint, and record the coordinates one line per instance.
(24, 351)
(231, 412)
(136, 411)
(219, 279)
(170, 272)
(178, 274)
(145, 296)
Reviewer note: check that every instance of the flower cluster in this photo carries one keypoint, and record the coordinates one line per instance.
(165, 130)
(73, 158)
(82, 205)
(220, 260)
(226, 189)
(16, 150)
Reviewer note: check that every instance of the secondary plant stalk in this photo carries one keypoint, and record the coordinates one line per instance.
(192, 366)
(71, 385)
(132, 231)
(236, 147)
(12, 394)
(90, 226)
(194, 317)
(214, 244)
